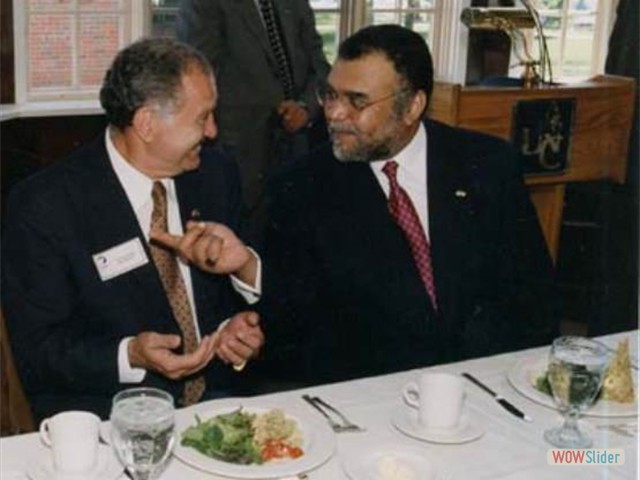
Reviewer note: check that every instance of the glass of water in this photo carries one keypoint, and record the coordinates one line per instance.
(576, 370)
(142, 430)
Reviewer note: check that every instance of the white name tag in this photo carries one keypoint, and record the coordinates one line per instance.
(120, 259)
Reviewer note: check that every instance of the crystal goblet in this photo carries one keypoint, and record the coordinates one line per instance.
(575, 373)
(142, 430)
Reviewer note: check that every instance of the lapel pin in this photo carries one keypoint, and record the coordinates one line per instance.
(461, 194)
(195, 214)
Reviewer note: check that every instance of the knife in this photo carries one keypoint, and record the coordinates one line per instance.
(503, 402)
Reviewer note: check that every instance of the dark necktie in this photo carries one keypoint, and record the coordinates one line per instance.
(176, 291)
(405, 215)
(277, 44)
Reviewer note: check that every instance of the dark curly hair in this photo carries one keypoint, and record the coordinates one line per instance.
(147, 71)
(406, 49)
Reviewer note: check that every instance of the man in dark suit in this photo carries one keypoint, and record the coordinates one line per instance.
(265, 114)
(373, 266)
(91, 306)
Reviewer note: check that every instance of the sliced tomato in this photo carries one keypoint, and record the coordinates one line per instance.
(279, 449)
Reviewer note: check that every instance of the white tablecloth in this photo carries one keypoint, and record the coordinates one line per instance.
(510, 448)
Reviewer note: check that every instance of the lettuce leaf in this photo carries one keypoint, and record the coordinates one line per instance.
(227, 437)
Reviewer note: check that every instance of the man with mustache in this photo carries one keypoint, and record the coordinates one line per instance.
(404, 242)
(92, 306)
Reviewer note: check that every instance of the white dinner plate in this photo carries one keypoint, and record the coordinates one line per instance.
(108, 467)
(319, 443)
(393, 461)
(405, 419)
(523, 377)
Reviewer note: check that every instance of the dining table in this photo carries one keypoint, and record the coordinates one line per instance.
(503, 446)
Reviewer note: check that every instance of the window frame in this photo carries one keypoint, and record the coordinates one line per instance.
(605, 15)
(54, 102)
(448, 46)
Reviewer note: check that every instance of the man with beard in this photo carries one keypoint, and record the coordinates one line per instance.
(404, 242)
(91, 306)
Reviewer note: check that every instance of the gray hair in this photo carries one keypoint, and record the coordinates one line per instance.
(147, 72)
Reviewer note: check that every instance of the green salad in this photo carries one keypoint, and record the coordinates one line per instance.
(542, 384)
(246, 438)
(227, 437)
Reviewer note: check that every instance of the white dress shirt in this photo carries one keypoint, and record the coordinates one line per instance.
(412, 174)
(137, 187)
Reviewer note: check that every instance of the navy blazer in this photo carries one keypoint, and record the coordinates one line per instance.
(342, 295)
(66, 323)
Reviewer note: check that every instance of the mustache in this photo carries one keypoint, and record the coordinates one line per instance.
(341, 128)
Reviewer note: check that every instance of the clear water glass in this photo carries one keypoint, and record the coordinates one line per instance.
(575, 373)
(142, 430)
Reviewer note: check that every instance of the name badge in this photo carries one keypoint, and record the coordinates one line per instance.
(120, 259)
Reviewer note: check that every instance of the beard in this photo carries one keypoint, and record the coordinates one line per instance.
(364, 148)
(361, 151)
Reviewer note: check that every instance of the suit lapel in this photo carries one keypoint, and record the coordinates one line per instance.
(192, 189)
(287, 24)
(450, 208)
(372, 241)
(109, 221)
(248, 9)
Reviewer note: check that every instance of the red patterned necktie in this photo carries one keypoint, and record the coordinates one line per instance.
(405, 215)
(176, 291)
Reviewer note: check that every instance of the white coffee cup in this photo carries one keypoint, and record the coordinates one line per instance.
(438, 397)
(73, 438)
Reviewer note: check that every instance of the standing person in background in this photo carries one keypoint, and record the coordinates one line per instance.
(92, 304)
(268, 60)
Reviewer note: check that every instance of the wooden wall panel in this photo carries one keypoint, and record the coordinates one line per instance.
(599, 136)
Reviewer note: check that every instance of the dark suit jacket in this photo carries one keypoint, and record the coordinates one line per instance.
(65, 322)
(232, 36)
(342, 295)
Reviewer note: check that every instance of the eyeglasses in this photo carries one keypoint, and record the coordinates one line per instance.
(328, 98)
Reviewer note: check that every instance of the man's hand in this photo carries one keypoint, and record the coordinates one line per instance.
(154, 351)
(240, 339)
(212, 247)
(293, 115)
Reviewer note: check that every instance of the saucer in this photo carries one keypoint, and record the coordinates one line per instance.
(392, 461)
(108, 467)
(406, 420)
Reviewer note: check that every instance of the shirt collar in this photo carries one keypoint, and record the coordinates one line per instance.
(136, 184)
(411, 159)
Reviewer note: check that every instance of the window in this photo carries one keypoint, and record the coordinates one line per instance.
(69, 44)
(418, 15)
(336, 19)
(163, 17)
(62, 47)
(576, 32)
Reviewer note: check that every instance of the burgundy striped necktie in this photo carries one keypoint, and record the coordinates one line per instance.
(405, 215)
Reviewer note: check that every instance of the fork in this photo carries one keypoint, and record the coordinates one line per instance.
(345, 426)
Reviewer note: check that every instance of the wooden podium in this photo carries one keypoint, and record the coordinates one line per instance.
(599, 138)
